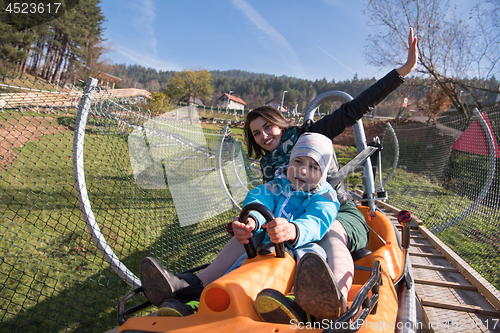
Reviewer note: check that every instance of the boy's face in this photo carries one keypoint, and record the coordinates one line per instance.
(303, 173)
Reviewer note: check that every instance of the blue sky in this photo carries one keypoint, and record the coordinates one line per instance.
(305, 39)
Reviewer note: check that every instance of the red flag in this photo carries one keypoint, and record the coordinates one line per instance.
(474, 139)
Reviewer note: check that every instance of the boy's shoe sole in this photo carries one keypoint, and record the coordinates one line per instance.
(175, 308)
(316, 290)
(274, 307)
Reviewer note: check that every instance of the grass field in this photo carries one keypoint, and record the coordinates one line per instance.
(50, 270)
(55, 279)
(476, 239)
(53, 275)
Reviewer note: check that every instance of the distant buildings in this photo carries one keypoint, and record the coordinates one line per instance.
(107, 80)
(274, 103)
(231, 102)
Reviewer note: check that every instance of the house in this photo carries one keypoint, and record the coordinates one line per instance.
(274, 103)
(107, 79)
(230, 102)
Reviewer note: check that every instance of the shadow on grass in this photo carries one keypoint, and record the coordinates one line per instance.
(53, 277)
(86, 293)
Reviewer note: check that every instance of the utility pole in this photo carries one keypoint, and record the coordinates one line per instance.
(229, 98)
(283, 99)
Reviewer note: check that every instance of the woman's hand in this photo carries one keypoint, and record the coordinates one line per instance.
(280, 230)
(242, 231)
(411, 62)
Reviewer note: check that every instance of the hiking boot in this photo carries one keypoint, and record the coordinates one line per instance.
(175, 308)
(159, 284)
(274, 307)
(316, 290)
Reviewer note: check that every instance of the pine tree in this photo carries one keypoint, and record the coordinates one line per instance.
(56, 47)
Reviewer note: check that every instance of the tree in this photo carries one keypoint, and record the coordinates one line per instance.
(402, 93)
(291, 99)
(158, 103)
(486, 16)
(54, 45)
(435, 103)
(37, 12)
(189, 85)
(85, 37)
(447, 46)
(13, 52)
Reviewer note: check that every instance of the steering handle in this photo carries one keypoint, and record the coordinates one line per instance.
(269, 216)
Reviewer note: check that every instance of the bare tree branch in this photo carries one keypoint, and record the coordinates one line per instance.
(450, 49)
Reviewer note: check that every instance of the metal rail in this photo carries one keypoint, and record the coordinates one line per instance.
(81, 188)
(219, 168)
(396, 154)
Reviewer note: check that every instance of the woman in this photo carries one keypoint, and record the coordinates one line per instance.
(271, 137)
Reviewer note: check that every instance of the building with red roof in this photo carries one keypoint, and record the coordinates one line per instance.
(231, 102)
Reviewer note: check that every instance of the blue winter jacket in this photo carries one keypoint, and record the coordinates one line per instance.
(312, 213)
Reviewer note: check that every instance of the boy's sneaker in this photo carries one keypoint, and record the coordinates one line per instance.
(274, 307)
(158, 284)
(316, 288)
(174, 308)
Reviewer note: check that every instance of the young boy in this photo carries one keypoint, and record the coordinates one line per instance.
(303, 203)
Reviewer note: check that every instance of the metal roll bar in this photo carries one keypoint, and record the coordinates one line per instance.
(359, 137)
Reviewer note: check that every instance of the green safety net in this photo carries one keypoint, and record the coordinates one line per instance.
(156, 188)
(153, 186)
(449, 178)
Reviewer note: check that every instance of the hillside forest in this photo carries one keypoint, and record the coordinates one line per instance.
(257, 89)
(69, 47)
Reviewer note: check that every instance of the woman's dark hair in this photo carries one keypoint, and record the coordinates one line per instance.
(273, 117)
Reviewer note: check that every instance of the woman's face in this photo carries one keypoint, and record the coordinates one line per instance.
(266, 135)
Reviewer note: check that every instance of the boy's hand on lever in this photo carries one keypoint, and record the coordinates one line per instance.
(242, 231)
(280, 230)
